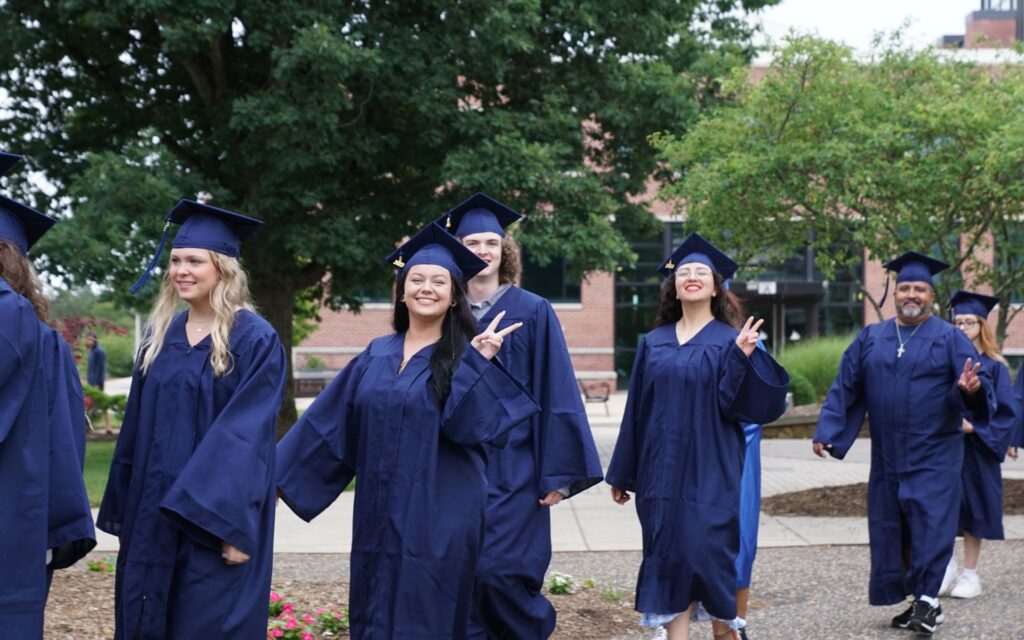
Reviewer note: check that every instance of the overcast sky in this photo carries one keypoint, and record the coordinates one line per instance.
(855, 21)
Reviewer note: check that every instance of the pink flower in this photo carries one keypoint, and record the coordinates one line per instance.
(319, 611)
(275, 596)
(291, 623)
(307, 635)
(337, 615)
(277, 633)
(288, 608)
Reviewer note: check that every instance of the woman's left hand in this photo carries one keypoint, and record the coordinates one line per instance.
(232, 554)
(747, 340)
(551, 499)
(489, 342)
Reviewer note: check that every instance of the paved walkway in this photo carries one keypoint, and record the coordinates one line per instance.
(592, 522)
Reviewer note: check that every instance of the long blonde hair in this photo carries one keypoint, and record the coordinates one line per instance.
(230, 294)
(987, 342)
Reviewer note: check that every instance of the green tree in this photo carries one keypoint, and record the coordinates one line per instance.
(345, 125)
(899, 150)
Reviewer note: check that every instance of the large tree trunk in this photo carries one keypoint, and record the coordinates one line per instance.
(274, 297)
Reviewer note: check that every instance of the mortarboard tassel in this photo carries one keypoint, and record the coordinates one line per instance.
(148, 273)
(886, 292)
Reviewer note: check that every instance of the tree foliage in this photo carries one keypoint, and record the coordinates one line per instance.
(345, 125)
(894, 151)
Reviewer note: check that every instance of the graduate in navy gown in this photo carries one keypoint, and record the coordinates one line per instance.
(410, 417)
(45, 520)
(548, 458)
(697, 378)
(913, 377)
(981, 502)
(191, 488)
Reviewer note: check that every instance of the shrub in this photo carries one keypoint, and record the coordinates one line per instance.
(802, 389)
(817, 360)
(313, 362)
(561, 584)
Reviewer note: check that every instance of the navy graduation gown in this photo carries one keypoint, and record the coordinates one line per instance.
(194, 466)
(553, 450)
(1017, 439)
(681, 449)
(43, 504)
(981, 502)
(915, 410)
(419, 506)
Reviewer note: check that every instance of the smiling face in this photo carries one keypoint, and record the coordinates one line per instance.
(913, 300)
(428, 291)
(486, 245)
(695, 282)
(193, 273)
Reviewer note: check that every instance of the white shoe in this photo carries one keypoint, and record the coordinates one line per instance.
(661, 634)
(948, 580)
(966, 587)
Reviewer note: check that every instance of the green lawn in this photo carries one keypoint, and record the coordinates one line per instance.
(97, 465)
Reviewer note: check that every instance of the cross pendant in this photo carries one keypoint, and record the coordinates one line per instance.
(899, 352)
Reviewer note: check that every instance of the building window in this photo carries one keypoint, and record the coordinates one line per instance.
(551, 280)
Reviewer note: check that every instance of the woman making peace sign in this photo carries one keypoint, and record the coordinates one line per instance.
(409, 416)
(695, 381)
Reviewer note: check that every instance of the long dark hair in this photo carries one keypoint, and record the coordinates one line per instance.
(458, 329)
(725, 306)
(17, 270)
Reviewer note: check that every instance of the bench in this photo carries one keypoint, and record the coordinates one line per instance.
(596, 392)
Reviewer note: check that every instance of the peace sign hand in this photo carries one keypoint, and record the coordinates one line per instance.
(488, 342)
(747, 340)
(969, 382)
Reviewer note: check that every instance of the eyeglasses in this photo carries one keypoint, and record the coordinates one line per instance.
(969, 324)
(696, 273)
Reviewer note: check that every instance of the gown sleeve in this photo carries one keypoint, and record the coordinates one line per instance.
(998, 433)
(568, 455)
(622, 470)
(70, 531)
(751, 389)
(115, 498)
(220, 494)
(19, 344)
(485, 401)
(317, 458)
(1018, 398)
(845, 407)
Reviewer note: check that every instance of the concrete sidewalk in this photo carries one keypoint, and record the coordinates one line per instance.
(592, 522)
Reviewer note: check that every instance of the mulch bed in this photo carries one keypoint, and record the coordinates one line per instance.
(81, 607)
(851, 500)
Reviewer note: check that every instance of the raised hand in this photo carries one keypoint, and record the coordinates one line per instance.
(489, 342)
(747, 340)
(969, 382)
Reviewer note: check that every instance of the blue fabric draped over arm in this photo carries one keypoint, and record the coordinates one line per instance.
(19, 333)
(317, 459)
(622, 470)
(220, 493)
(842, 414)
(751, 389)
(115, 498)
(484, 403)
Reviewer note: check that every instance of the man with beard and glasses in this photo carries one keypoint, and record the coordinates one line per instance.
(914, 376)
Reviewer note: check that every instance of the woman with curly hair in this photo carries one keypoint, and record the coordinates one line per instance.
(45, 520)
(191, 488)
(698, 377)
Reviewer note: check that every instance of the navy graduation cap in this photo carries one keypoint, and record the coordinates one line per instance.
(477, 214)
(8, 160)
(203, 226)
(969, 302)
(434, 245)
(22, 225)
(912, 267)
(696, 249)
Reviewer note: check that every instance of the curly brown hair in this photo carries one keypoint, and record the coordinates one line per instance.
(511, 268)
(725, 306)
(17, 270)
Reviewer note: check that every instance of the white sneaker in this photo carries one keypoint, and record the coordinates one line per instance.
(661, 634)
(966, 587)
(948, 580)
